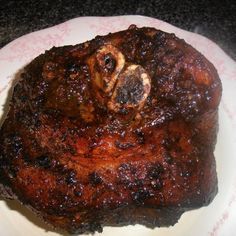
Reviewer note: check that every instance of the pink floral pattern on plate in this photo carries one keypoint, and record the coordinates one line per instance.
(33, 44)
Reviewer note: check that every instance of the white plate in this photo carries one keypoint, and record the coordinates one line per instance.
(219, 218)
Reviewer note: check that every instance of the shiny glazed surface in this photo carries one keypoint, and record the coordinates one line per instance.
(118, 130)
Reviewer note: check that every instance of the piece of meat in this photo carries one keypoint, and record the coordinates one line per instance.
(118, 130)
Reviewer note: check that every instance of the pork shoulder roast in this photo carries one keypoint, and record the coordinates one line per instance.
(119, 130)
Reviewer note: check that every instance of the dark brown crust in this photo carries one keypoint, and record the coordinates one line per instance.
(81, 165)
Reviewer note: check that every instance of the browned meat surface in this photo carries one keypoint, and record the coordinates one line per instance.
(118, 130)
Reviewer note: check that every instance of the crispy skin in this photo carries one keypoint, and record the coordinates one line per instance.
(118, 130)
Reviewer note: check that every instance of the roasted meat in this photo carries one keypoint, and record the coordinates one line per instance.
(115, 131)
